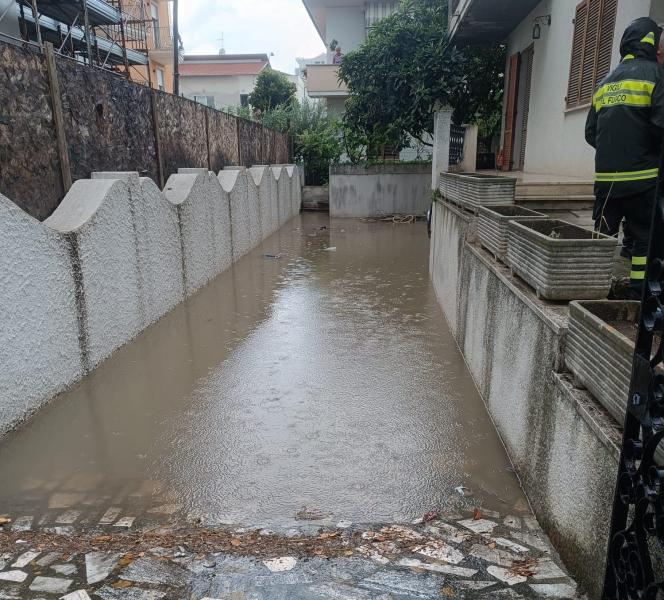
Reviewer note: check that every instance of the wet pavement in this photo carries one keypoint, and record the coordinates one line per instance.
(313, 385)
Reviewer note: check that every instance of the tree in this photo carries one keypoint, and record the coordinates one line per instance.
(272, 89)
(407, 68)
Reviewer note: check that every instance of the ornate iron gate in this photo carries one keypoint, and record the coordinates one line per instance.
(457, 139)
(637, 526)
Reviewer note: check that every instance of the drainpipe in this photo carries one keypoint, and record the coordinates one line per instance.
(176, 50)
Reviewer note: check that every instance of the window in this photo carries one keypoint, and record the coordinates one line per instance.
(592, 48)
(156, 32)
(244, 99)
(160, 80)
(205, 100)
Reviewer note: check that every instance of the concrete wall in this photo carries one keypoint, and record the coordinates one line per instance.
(114, 257)
(9, 19)
(563, 444)
(347, 25)
(556, 142)
(357, 191)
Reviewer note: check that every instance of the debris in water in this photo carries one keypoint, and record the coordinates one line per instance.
(279, 565)
(430, 516)
(477, 514)
(463, 491)
(273, 256)
(331, 249)
(311, 514)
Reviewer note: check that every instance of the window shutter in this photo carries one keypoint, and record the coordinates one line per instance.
(607, 27)
(577, 54)
(589, 71)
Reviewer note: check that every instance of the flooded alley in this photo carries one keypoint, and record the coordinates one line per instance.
(325, 378)
(314, 384)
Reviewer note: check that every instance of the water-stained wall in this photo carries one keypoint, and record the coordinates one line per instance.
(110, 124)
(115, 256)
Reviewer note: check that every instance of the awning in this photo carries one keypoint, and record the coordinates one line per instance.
(485, 21)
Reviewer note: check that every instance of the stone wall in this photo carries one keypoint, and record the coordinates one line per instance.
(375, 191)
(115, 256)
(110, 124)
(563, 444)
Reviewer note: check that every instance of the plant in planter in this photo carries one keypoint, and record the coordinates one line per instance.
(492, 225)
(473, 190)
(560, 260)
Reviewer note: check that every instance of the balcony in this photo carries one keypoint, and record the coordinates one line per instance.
(160, 44)
(323, 82)
(483, 21)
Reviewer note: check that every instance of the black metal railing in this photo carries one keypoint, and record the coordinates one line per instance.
(637, 525)
(457, 139)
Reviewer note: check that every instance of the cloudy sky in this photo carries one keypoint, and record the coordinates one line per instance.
(250, 26)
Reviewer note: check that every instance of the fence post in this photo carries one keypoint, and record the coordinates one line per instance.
(239, 143)
(207, 137)
(157, 139)
(441, 145)
(56, 101)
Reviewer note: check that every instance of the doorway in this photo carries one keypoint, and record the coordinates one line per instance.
(517, 109)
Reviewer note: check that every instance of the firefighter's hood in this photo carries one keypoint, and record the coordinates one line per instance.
(641, 39)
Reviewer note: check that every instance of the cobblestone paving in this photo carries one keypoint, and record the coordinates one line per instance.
(82, 554)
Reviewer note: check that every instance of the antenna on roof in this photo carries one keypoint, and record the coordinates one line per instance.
(222, 50)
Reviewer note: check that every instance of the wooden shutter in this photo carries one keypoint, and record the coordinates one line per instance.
(607, 28)
(592, 49)
(590, 45)
(510, 113)
(527, 61)
(577, 54)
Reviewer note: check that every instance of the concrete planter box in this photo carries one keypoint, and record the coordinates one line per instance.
(472, 190)
(492, 225)
(561, 261)
(599, 354)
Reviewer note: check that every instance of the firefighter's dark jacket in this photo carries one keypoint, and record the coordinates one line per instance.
(626, 120)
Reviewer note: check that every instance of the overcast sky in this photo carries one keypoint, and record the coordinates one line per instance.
(250, 26)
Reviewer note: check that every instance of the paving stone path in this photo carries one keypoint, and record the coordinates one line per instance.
(478, 555)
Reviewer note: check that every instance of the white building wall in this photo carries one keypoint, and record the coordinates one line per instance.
(225, 90)
(556, 139)
(347, 25)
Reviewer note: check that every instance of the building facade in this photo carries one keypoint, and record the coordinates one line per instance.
(557, 52)
(221, 80)
(343, 23)
(132, 37)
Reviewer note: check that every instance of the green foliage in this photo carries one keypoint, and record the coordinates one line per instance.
(272, 89)
(317, 141)
(243, 112)
(407, 69)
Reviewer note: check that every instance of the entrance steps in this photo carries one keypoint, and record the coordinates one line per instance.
(548, 195)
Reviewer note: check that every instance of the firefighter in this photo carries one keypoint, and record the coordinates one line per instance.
(626, 127)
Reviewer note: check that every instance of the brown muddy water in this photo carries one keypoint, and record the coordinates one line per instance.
(326, 378)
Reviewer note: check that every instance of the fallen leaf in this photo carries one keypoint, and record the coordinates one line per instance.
(348, 553)
(477, 514)
(448, 592)
(235, 542)
(122, 584)
(328, 535)
(492, 545)
(4, 520)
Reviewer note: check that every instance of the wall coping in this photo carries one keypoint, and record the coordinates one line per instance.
(387, 169)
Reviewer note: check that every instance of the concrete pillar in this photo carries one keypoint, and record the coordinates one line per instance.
(441, 145)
